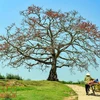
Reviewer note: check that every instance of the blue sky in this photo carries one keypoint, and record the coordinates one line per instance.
(9, 13)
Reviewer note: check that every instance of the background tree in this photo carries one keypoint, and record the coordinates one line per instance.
(52, 39)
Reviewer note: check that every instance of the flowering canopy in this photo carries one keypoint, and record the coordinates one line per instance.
(51, 39)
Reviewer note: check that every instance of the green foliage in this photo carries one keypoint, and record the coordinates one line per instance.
(66, 82)
(2, 77)
(11, 76)
(71, 82)
(78, 82)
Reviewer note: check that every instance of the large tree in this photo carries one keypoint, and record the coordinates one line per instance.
(52, 39)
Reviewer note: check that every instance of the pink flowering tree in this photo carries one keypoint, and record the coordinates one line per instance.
(51, 39)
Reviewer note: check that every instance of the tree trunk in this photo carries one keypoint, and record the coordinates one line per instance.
(53, 75)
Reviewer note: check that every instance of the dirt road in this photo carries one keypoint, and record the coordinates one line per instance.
(81, 93)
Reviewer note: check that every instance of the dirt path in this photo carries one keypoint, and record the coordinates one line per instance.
(81, 93)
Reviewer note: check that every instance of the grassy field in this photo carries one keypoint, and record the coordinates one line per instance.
(34, 90)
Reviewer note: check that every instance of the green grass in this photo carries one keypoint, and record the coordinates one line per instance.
(39, 90)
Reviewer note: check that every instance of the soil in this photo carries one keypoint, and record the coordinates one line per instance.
(82, 95)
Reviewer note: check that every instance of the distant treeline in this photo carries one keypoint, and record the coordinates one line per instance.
(10, 76)
(71, 82)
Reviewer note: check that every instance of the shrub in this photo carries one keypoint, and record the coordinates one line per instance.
(11, 76)
(2, 77)
(66, 82)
